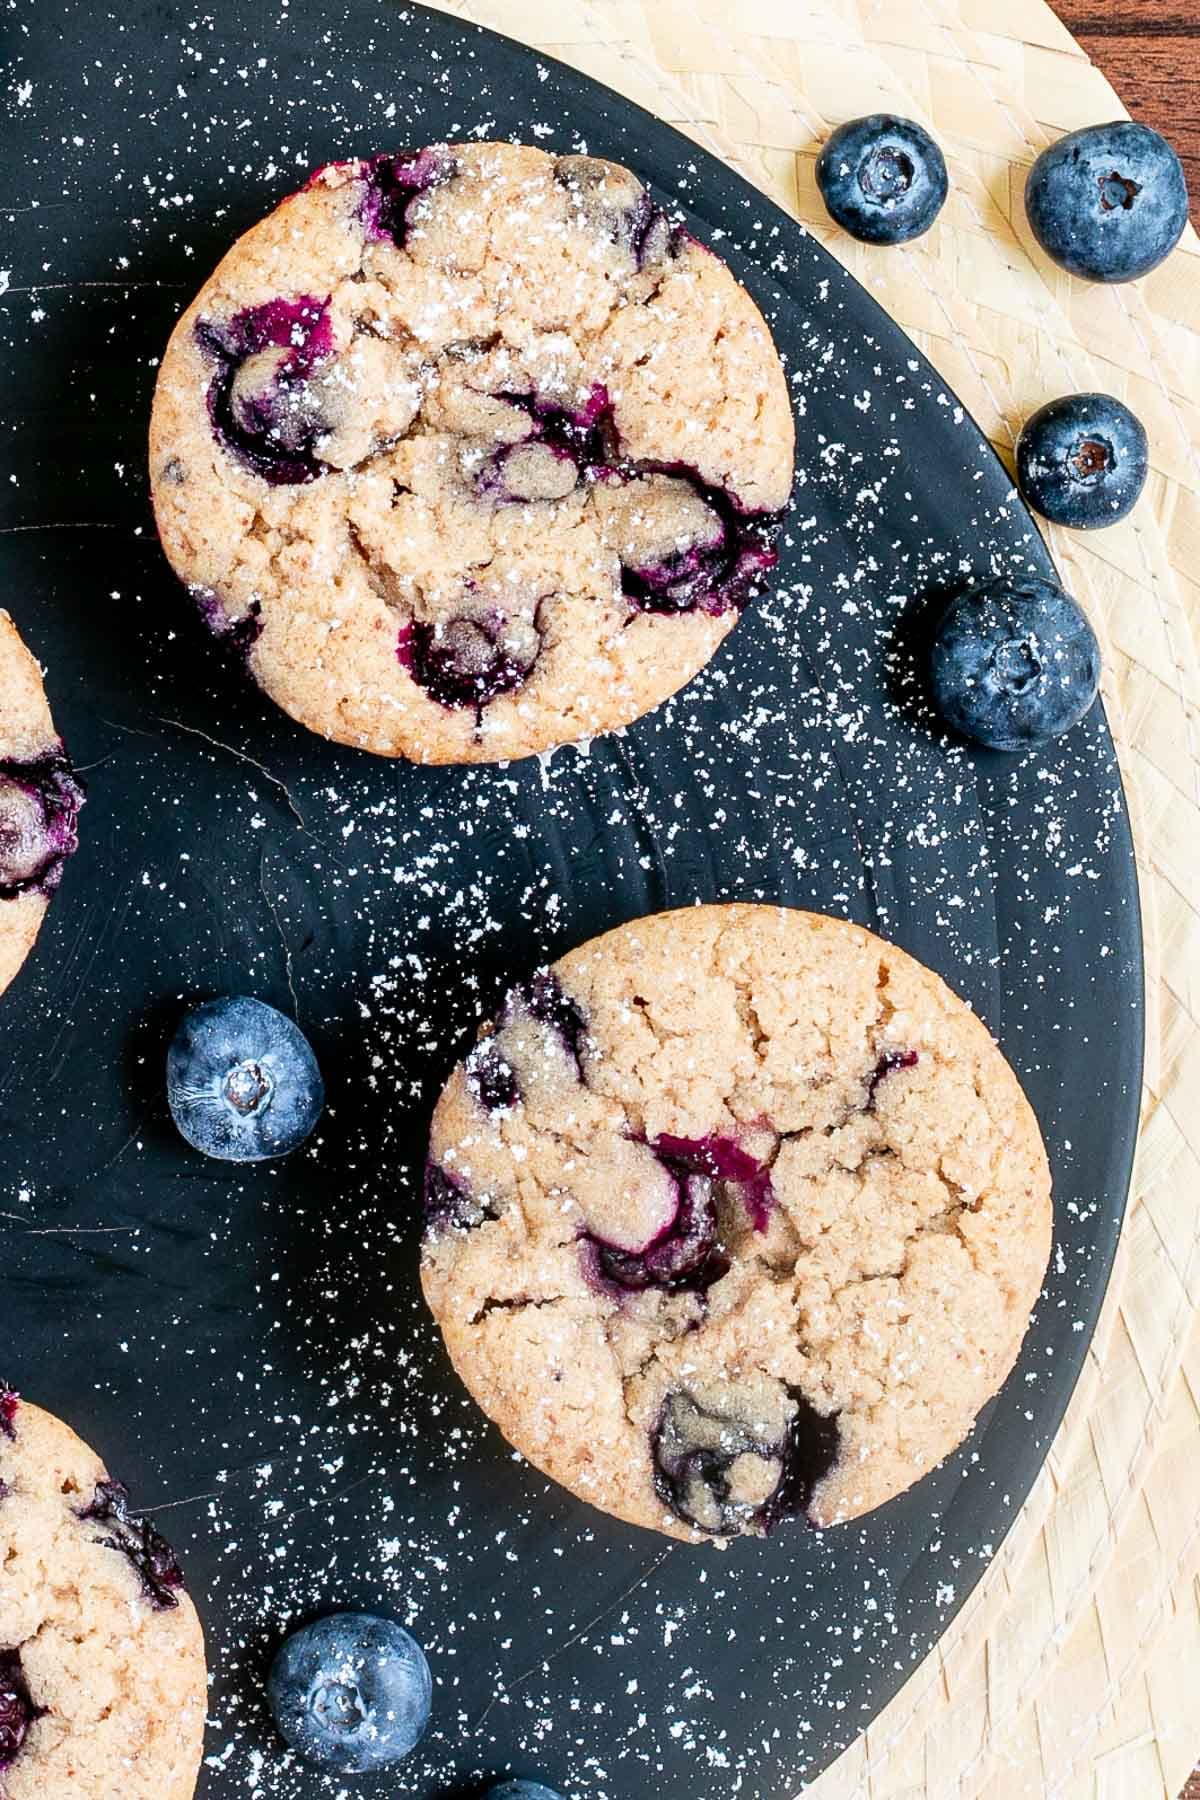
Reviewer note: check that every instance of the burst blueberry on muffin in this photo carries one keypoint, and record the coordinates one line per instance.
(39, 802)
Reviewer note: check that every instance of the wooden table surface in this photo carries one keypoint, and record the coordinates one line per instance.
(1150, 51)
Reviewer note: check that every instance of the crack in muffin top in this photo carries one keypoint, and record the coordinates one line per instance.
(736, 1214)
(472, 452)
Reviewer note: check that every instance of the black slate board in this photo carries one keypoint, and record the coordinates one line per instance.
(249, 1349)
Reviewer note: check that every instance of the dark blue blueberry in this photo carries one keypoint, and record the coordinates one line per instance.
(39, 813)
(1082, 461)
(883, 179)
(1015, 663)
(351, 1692)
(260, 401)
(136, 1540)
(490, 1075)
(17, 1708)
(811, 1448)
(392, 182)
(695, 1450)
(242, 1081)
(1108, 202)
(468, 660)
(520, 1790)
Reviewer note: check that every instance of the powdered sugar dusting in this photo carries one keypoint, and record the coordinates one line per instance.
(249, 1348)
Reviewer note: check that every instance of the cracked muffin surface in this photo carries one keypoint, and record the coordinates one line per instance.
(735, 1214)
(39, 802)
(102, 1674)
(472, 452)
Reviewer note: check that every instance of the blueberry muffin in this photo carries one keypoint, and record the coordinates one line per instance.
(39, 802)
(734, 1214)
(102, 1678)
(471, 452)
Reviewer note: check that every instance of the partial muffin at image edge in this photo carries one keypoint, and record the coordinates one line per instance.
(471, 452)
(734, 1214)
(40, 799)
(102, 1672)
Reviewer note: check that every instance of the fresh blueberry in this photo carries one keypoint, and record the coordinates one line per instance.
(242, 1081)
(520, 1790)
(1082, 461)
(883, 179)
(351, 1692)
(1015, 663)
(136, 1539)
(1108, 202)
(17, 1707)
(39, 813)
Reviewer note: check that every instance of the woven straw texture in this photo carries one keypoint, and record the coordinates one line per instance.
(1070, 1671)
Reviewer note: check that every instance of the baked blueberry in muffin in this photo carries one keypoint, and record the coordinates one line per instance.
(40, 798)
(471, 451)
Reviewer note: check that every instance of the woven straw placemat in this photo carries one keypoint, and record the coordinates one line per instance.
(1070, 1671)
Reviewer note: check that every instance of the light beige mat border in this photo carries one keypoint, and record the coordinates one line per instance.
(1071, 1670)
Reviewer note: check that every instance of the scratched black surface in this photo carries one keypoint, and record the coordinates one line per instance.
(248, 1349)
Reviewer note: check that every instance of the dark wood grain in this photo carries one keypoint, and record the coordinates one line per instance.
(1150, 51)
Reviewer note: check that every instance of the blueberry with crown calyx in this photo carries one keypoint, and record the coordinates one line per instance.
(1108, 203)
(883, 179)
(1082, 461)
(351, 1692)
(242, 1082)
(1015, 663)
